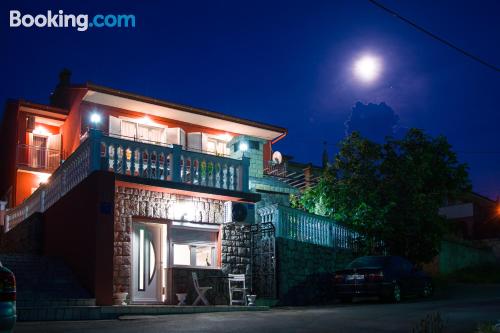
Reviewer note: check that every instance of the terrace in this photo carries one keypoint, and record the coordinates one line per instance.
(154, 164)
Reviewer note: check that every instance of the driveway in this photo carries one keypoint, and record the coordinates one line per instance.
(462, 312)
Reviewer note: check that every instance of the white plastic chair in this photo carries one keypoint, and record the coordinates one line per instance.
(201, 291)
(237, 285)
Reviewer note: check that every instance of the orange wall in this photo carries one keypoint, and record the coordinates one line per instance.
(71, 129)
(25, 182)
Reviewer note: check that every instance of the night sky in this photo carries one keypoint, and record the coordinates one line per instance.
(286, 63)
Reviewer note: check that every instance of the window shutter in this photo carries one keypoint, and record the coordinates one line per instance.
(194, 141)
(114, 126)
(164, 136)
(182, 138)
(54, 153)
(204, 142)
(173, 136)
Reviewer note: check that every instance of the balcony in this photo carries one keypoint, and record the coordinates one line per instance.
(159, 165)
(37, 158)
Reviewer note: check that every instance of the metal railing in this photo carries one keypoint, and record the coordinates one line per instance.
(39, 158)
(137, 159)
(304, 227)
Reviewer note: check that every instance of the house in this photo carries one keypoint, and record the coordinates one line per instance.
(474, 216)
(144, 188)
(135, 194)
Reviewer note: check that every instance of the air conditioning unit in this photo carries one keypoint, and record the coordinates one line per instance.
(237, 212)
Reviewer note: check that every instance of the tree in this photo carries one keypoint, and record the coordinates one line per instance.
(391, 191)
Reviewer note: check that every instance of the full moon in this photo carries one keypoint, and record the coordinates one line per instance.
(367, 68)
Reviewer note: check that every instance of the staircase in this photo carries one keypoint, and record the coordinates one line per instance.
(43, 283)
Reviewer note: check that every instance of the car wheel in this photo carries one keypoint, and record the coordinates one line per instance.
(396, 293)
(427, 292)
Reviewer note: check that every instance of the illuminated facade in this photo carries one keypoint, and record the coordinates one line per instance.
(133, 192)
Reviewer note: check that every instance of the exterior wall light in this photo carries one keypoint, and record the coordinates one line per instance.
(243, 146)
(95, 118)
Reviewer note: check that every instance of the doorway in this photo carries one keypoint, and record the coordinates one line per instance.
(146, 263)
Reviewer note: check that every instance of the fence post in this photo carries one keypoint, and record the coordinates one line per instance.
(244, 174)
(95, 149)
(176, 163)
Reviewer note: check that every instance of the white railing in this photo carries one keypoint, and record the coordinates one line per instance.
(39, 158)
(304, 227)
(172, 163)
(136, 159)
(68, 175)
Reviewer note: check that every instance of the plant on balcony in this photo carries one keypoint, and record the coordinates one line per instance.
(203, 169)
(391, 191)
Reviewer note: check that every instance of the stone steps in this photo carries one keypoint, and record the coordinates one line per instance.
(114, 312)
(45, 282)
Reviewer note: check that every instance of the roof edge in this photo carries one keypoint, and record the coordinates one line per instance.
(182, 107)
(44, 107)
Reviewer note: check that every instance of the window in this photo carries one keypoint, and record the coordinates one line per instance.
(252, 144)
(194, 247)
(182, 254)
(217, 147)
(131, 129)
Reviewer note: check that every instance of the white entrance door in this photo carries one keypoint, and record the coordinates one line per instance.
(146, 264)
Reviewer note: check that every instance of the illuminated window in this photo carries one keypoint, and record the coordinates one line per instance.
(204, 255)
(182, 254)
(192, 247)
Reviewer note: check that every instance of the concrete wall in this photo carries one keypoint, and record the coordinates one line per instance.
(454, 256)
(79, 229)
(304, 273)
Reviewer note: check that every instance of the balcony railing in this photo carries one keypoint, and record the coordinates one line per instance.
(304, 227)
(135, 159)
(38, 158)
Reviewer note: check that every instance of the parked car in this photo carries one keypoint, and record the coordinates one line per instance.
(7, 300)
(388, 277)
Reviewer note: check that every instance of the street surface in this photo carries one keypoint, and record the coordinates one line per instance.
(461, 311)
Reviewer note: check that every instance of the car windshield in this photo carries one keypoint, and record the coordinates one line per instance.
(368, 262)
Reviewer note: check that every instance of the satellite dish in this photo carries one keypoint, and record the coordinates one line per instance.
(277, 158)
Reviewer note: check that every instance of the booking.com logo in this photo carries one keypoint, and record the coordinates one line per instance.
(60, 20)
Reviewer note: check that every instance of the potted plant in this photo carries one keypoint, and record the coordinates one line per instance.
(120, 297)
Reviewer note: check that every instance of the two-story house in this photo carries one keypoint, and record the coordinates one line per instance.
(134, 192)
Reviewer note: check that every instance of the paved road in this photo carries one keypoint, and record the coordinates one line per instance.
(461, 315)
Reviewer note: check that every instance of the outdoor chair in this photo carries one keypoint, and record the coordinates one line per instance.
(200, 291)
(237, 285)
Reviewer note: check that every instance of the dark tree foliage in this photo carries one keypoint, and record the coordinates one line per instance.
(391, 192)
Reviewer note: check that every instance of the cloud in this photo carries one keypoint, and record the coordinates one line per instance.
(373, 121)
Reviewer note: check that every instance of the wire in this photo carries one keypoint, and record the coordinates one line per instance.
(442, 40)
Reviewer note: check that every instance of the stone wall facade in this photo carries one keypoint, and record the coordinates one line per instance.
(236, 248)
(133, 202)
(256, 156)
